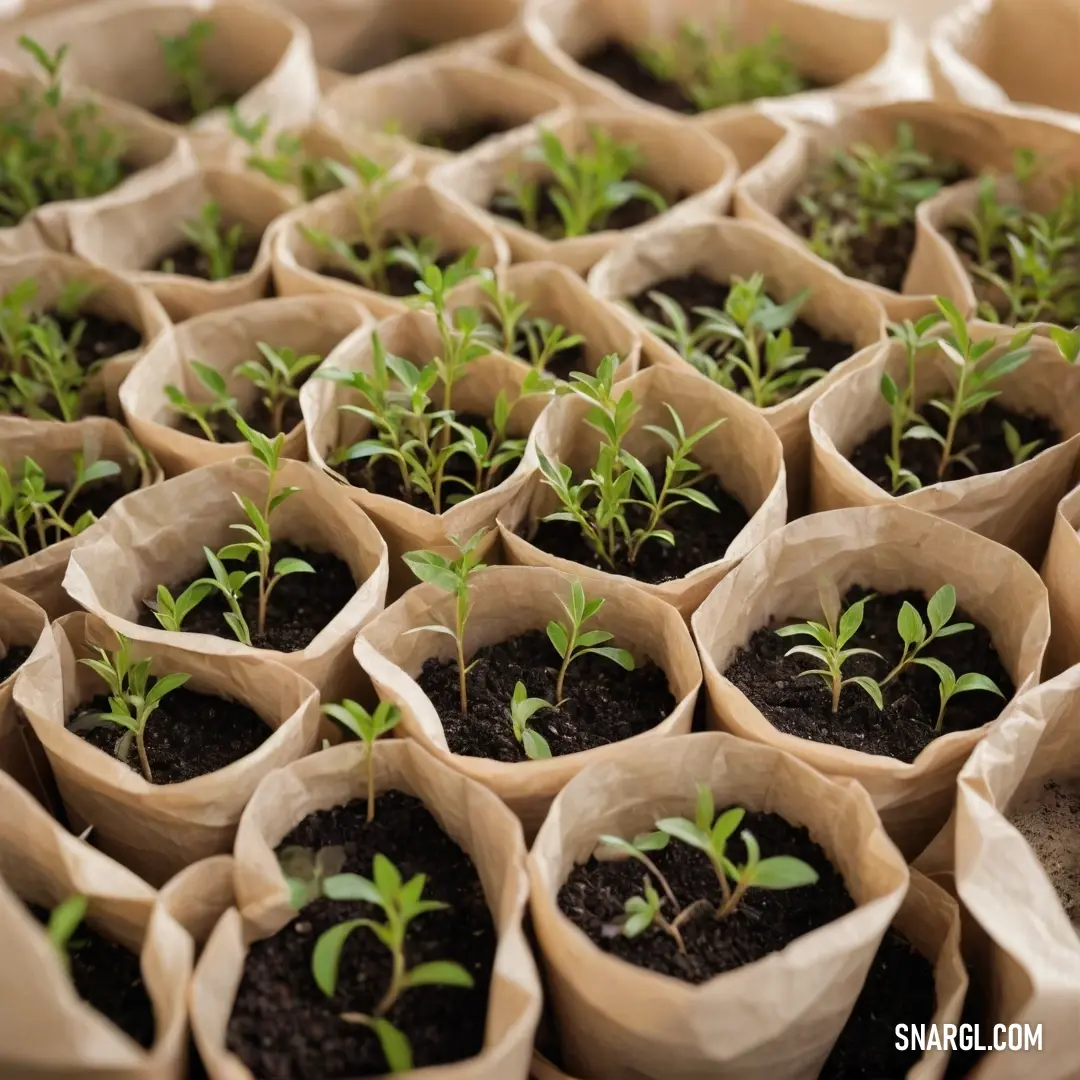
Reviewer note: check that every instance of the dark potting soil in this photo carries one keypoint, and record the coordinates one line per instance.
(701, 536)
(101, 338)
(401, 280)
(982, 431)
(180, 111)
(898, 990)
(616, 62)
(464, 136)
(602, 702)
(802, 706)
(108, 977)
(282, 1026)
(188, 735)
(15, 658)
(697, 291)
(190, 261)
(765, 921)
(300, 605)
(258, 416)
(560, 366)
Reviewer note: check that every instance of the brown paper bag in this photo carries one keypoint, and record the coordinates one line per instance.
(130, 236)
(1060, 570)
(678, 159)
(1014, 507)
(51, 446)
(507, 601)
(46, 1029)
(468, 812)
(223, 340)
(143, 545)
(391, 107)
(157, 830)
(776, 1017)
(749, 136)
(744, 452)
(199, 895)
(888, 548)
(726, 248)
(412, 207)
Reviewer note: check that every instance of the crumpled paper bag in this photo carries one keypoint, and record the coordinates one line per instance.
(1061, 575)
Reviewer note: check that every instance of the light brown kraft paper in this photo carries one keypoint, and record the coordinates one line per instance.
(975, 138)
(776, 1017)
(258, 55)
(424, 96)
(47, 1031)
(144, 544)
(158, 829)
(404, 527)
(508, 601)
(721, 250)
(679, 160)
(470, 814)
(52, 445)
(411, 207)
(131, 236)
(1015, 507)
(223, 340)
(1061, 575)
(749, 136)
(743, 452)
(199, 895)
(888, 549)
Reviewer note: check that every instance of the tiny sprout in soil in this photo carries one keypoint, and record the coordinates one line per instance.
(183, 56)
(305, 872)
(289, 163)
(64, 920)
(522, 710)
(367, 727)
(220, 244)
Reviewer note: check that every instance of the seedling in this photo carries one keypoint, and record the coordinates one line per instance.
(220, 245)
(522, 710)
(949, 685)
(367, 727)
(279, 378)
(1019, 449)
(289, 163)
(171, 611)
(453, 576)
(1067, 342)
(306, 871)
(201, 413)
(132, 698)
(692, 343)
(913, 631)
(183, 56)
(509, 312)
(571, 643)
(831, 637)
(64, 920)
(401, 903)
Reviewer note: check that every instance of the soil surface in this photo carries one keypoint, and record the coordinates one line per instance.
(188, 735)
(802, 705)
(108, 977)
(602, 702)
(401, 280)
(982, 432)
(188, 260)
(300, 605)
(764, 922)
(284, 1028)
(180, 111)
(15, 658)
(1050, 823)
(465, 136)
(701, 536)
(616, 62)
(258, 416)
(101, 338)
(898, 990)
(550, 223)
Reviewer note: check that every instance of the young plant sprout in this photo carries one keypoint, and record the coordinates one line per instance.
(453, 576)
(692, 343)
(171, 611)
(64, 920)
(913, 631)
(949, 685)
(1016, 446)
(132, 698)
(367, 727)
(509, 312)
(571, 642)
(289, 163)
(220, 245)
(278, 376)
(201, 413)
(522, 710)
(1067, 342)
(401, 903)
(183, 56)
(306, 871)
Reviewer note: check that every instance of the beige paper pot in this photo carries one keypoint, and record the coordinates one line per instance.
(1014, 507)
(223, 340)
(411, 207)
(889, 549)
(508, 601)
(744, 452)
(131, 236)
(158, 829)
(724, 248)
(977, 139)
(778, 1016)
(46, 1029)
(143, 545)
(687, 166)
(1061, 575)
(199, 895)
(51, 445)
(470, 814)
(748, 135)
(394, 107)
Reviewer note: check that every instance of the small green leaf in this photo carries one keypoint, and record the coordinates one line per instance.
(535, 745)
(783, 872)
(395, 1046)
(974, 681)
(941, 607)
(909, 625)
(871, 688)
(439, 973)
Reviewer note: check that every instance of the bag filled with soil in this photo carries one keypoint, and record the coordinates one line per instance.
(885, 555)
(119, 1011)
(265, 392)
(1061, 575)
(428, 819)
(311, 618)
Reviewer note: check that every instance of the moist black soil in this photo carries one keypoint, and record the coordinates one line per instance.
(300, 605)
(466, 135)
(698, 291)
(108, 977)
(101, 338)
(282, 1026)
(616, 62)
(898, 990)
(258, 416)
(190, 261)
(765, 921)
(603, 704)
(401, 280)
(802, 706)
(15, 658)
(701, 536)
(550, 222)
(180, 111)
(981, 431)
(188, 735)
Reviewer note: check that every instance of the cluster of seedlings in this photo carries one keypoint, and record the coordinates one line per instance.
(212, 249)
(195, 90)
(288, 161)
